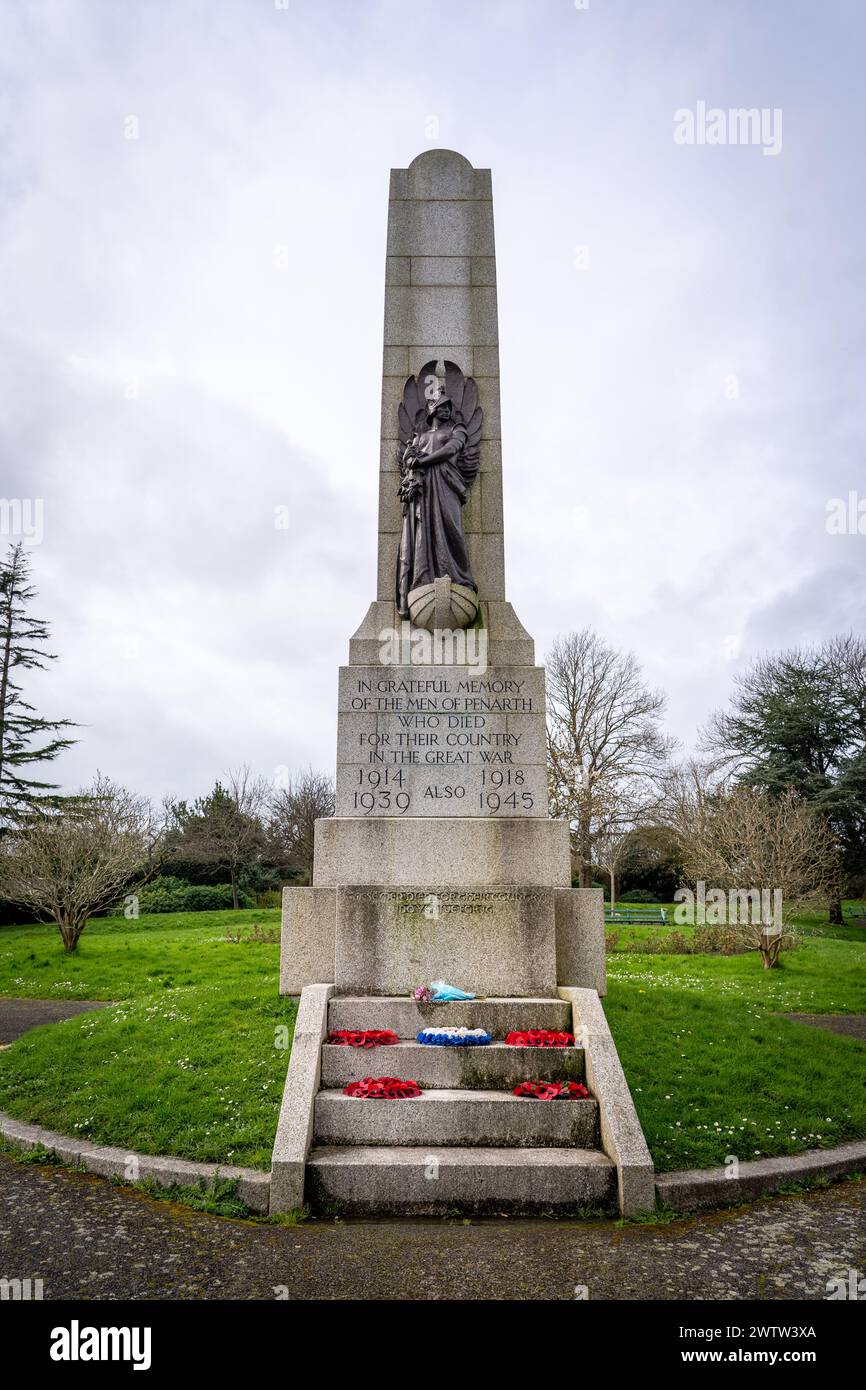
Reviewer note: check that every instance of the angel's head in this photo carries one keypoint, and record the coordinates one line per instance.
(441, 408)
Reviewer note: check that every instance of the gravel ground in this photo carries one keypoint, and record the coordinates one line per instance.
(88, 1239)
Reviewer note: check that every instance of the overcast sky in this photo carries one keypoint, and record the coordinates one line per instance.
(192, 329)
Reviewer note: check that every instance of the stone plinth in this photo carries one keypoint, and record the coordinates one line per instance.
(492, 941)
(463, 853)
(580, 953)
(307, 938)
(310, 950)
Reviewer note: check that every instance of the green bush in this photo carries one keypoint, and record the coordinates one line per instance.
(169, 894)
(162, 894)
(638, 895)
(271, 897)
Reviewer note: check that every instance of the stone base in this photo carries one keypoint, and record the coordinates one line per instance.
(580, 954)
(375, 940)
(486, 941)
(307, 938)
(508, 641)
(460, 851)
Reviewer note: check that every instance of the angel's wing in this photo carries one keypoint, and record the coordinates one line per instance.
(464, 393)
(412, 411)
(407, 412)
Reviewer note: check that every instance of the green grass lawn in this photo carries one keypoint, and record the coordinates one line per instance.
(185, 1061)
(712, 1068)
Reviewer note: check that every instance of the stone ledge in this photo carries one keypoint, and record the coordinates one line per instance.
(696, 1188)
(295, 1126)
(253, 1186)
(622, 1137)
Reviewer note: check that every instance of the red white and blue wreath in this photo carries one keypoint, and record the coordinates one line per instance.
(454, 1037)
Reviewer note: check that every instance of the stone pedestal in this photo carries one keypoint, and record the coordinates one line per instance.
(495, 941)
(501, 939)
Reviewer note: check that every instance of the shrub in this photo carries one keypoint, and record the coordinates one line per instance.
(707, 941)
(638, 895)
(260, 936)
(213, 897)
(270, 897)
(720, 940)
(162, 894)
(169, 894)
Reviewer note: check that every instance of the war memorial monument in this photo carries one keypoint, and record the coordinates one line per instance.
(442, 861)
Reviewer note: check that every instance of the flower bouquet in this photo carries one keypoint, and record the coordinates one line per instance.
(438, 992)
(552, 1090)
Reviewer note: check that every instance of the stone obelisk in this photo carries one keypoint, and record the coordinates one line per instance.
(442, 860)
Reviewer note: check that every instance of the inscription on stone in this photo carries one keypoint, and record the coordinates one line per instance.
(441, 741)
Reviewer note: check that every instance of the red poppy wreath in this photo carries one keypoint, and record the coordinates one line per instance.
(370, 1037)
(383, 1088)
(539, 1037)
(552, 1090)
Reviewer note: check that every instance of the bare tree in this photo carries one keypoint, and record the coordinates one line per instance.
(686, 791)
(796, 721)
(611, 843)
(225, 828)
(67, 865)
(294, 810)
(753, 846)
(620, 811)
(603, 736)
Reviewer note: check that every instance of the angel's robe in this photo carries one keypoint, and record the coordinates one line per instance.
(432, 543)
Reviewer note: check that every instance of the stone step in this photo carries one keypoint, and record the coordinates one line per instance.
(438, 1181)
(406, 1018)
(453, 1068)
(456, 1118)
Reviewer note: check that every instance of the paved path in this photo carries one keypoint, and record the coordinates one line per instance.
(846, 1025)
(87, 1239)
(17, 1015)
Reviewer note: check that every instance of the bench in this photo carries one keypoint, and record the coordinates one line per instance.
(646, 913)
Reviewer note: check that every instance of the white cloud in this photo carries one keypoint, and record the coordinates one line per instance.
(192, 337)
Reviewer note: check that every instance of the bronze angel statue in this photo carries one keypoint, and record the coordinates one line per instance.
(438, 456)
